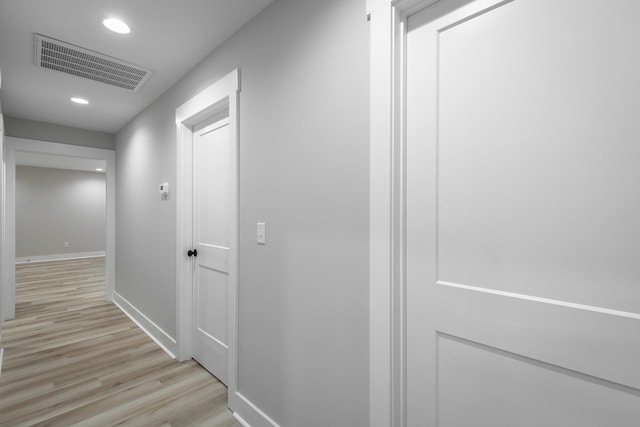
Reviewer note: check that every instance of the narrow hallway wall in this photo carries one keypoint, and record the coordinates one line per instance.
(54, 206)
(304, 170)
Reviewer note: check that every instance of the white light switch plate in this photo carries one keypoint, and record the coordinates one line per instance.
(261, 234)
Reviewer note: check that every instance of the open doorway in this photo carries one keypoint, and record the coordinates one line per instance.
(60, 208)
(15, 152)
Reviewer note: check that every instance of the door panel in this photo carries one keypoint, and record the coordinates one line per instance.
(523, 280)
(532, 197)
(211, 297)
(213, 164)
(212, 222)
(526, 393)
(600, 344)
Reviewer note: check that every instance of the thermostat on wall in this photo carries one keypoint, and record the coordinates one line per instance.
(164, 190)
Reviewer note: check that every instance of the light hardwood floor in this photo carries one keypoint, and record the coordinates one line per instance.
(71, 358)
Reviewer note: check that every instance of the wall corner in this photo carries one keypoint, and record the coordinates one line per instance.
(373, 5)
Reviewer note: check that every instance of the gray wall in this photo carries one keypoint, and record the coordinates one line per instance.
(54, 206)
(304, 161)
(41, 131)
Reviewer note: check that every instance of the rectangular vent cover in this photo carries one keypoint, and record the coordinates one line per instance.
(67, 58)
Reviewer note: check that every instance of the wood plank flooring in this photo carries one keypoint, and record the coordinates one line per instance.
(72, 358)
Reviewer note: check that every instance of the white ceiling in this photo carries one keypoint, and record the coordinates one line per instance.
(167, 36)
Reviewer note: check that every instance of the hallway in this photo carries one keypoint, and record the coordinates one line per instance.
(72, 358)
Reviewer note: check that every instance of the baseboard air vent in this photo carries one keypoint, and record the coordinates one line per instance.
(67, 58)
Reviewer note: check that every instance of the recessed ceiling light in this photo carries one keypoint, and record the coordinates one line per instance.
(116, 25)
(79, 101)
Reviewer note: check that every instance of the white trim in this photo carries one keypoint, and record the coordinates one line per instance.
(240, 420)
(59, 257)
(7, 281)
(3, 258)
(386, 230)
(155, 332)
(184, 291)
(207, 102)
(566, 304)
(221, 96)
(381, 182)
(251, 414)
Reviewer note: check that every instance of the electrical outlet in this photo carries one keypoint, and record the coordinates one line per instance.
(66, 244)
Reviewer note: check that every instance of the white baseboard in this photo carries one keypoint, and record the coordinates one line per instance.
(239, 419)
(248, 414)
(164, 340)
(58, 257)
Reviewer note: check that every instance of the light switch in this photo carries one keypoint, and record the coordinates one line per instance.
(261, 234)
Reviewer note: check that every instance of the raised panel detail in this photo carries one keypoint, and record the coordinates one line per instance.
(212, 298)
(598, 344)
(497, 388)
(213, 157)
(535, 166)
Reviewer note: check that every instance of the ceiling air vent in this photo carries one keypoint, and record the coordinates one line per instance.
(67, 58)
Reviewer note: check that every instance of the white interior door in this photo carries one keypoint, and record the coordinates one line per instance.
(213, 211)
(522, 210)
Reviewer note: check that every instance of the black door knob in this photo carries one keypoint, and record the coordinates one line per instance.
(192, 252)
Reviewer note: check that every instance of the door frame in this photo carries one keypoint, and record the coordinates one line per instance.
(13, 145)
(388, 32)
(220, 96)
(387, 198)
(3, 215)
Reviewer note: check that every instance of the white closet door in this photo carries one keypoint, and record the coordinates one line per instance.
(212, 222)
(523, 214)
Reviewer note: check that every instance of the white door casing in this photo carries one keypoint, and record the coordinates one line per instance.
(218, 100)
(386, 221)
(213, 173)
(3, 266)
(514, 278)
(13, 145)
